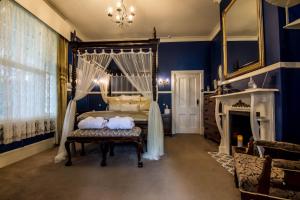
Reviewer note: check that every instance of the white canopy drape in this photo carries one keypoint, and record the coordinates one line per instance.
(87, 72)
(137, 68)
(102, 60)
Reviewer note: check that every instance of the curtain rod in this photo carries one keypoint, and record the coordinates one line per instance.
(110, 50)
(153, 43)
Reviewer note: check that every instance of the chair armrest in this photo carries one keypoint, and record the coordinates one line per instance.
(283, 146)
(286, 164)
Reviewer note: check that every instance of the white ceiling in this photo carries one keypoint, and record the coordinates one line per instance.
(175, 18)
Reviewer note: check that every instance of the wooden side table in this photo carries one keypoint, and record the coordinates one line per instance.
(167, 123)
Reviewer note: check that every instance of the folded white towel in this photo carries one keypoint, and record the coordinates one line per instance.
(92, 123)
(120, 123)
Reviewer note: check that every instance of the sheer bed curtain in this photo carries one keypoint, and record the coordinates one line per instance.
(137, 68)
(87, 72)
(102, 60)
(28, 61)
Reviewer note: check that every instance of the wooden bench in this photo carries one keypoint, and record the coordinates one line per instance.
(105, 137)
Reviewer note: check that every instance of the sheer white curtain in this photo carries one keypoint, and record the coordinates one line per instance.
(137, 68)
(28, 60)
(87, 73)
(102, 60)
(103, 83)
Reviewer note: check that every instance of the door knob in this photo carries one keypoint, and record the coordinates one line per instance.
(197, 102)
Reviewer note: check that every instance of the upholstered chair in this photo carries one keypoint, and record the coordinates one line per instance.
(276, 175)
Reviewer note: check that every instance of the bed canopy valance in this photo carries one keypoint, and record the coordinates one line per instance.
(137, 60)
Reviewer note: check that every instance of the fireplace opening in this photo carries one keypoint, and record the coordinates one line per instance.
(239, 124)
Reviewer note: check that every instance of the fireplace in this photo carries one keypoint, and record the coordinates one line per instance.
(239, 115)
(239, 124)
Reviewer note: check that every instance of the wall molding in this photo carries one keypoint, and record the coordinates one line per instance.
(165, 92)
(19, 154)
(242, 38)
(278, 65)
(170, 39)
(215, 31)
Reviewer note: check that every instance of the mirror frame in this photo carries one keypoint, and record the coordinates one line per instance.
(261, 60)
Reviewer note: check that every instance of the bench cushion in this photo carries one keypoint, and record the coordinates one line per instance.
(249, 169)
(106, 132)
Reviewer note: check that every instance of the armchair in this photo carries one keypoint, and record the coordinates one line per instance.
(274, 176)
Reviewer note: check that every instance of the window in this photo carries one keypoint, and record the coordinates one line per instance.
(28, 60)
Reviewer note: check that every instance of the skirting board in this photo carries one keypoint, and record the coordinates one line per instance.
(16, 155)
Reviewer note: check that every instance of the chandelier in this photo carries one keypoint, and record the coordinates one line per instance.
(121, 15)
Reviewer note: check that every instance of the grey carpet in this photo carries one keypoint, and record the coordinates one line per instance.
(186, 172)
(224, 160)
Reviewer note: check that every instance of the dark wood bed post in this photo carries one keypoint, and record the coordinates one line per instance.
(73, 83)
(154, 66)
(74, 63)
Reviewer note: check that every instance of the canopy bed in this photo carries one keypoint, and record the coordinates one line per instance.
(137, 60)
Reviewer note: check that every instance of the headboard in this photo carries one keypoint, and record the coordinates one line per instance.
(128, 103)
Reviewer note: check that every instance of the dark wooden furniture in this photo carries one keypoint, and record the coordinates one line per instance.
(106, 145)
(167, 123)
(210, 127)
(274, 176)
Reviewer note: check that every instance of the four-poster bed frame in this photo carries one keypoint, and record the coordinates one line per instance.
(115, 45)
(81, 47)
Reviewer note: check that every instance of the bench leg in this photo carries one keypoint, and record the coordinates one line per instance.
(139, 150)
(67, 146)
(104, 150)
(82, 149)
(111, 149)
(236, 181)
(74, 148)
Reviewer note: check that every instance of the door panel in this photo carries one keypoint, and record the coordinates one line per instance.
(187, 102)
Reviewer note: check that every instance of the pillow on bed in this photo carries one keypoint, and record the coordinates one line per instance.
(144, 104)
(113, 100)
(130, 97)
(115, 106)
(130, 107)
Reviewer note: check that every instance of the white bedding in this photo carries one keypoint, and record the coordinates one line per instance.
(120, 123)
(92, 123)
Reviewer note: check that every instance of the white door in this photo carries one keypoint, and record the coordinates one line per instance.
(187, 101)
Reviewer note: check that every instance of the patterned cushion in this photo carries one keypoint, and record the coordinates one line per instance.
(106, 132)
(248, 169)
(279, 145)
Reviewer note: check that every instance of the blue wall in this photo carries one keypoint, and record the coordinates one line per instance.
(280, 45)
(182, 56)
(216, 57)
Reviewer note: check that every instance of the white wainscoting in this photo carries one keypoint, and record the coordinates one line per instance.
(16, 155)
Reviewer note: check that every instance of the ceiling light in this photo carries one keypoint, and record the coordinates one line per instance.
(121, 15)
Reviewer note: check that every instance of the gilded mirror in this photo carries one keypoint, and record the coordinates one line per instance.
(243, 44)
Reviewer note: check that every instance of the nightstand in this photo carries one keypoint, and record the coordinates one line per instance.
(167, 123)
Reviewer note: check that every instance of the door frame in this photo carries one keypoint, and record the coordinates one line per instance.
(173, 74)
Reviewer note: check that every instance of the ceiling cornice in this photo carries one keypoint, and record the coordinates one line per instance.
(215, 31)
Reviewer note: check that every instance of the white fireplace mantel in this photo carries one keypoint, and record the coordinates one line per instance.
(255, 101)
